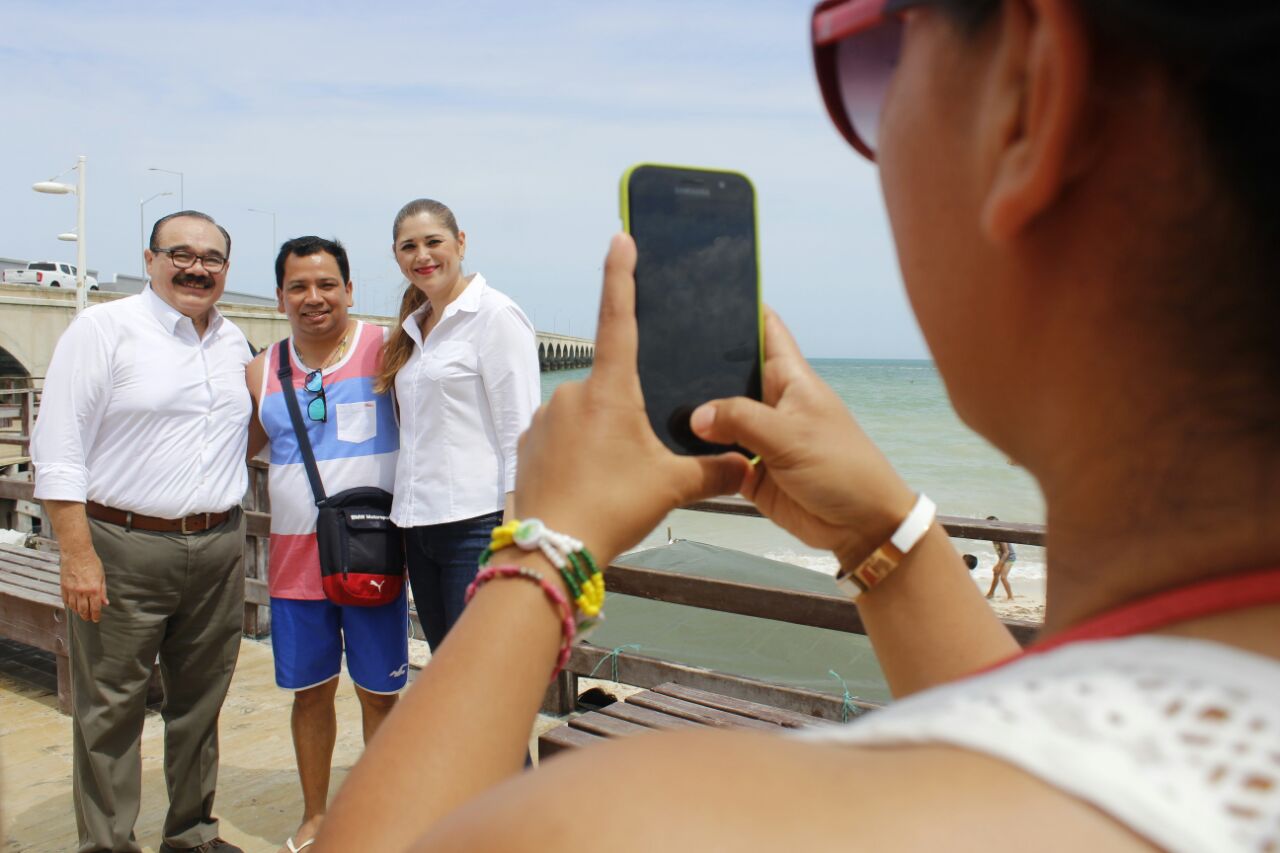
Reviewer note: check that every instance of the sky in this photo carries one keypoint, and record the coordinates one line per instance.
(520, 116)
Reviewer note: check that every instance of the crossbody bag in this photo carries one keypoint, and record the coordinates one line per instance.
(361, 551)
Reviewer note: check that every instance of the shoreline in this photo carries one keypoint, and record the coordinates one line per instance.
(1028, 603)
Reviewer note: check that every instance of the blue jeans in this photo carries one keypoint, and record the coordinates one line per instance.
(443, 561)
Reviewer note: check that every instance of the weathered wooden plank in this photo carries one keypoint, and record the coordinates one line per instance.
(801, 608)
(255, 592)
(257, 524)
(21, 587)
(561, 695)
(33, 623)
(41, 586)
(836, 613)
(645, 717)
(17, 490)
(30, 577)
(697, 713)
(755, 710)
(960, 528)
(28, 556)
(36, 567)
(606, 726)
(643, 671)
(33, 563)
(562, 739)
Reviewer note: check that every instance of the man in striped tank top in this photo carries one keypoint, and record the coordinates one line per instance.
(355, 437)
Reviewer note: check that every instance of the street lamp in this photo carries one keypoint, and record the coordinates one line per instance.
(53, 187)
(182, 195)
(272, 214)
(142, 225)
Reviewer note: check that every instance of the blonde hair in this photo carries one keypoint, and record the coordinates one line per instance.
(399, 346)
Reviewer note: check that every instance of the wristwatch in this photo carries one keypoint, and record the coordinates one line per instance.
(858, 579)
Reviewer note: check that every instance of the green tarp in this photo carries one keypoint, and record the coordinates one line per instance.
(748, 646)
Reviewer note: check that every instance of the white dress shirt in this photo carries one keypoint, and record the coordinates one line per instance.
(465, 395)
(141, 414)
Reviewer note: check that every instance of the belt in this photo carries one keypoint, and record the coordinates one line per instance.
(196, 523)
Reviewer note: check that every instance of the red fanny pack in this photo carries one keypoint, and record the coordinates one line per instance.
(361, 551)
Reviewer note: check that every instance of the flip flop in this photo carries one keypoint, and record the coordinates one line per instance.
(296, 849)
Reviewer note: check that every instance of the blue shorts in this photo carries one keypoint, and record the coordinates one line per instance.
(307, 640)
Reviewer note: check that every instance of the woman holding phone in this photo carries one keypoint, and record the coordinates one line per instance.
(1094, 176)
(464, 366)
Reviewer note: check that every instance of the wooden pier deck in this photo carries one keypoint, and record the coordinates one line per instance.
(259, 800)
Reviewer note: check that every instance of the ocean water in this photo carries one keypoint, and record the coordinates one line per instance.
(903, 406)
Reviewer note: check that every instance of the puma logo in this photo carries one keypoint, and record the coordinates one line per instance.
(401, 670)
(376, 584)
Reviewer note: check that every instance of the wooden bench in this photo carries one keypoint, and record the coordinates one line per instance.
(666, 707)
(31, 610)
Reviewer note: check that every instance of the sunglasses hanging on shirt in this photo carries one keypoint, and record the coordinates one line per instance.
(318, 408)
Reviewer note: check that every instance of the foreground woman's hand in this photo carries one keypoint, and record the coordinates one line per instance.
(820, 477)
(590, 465)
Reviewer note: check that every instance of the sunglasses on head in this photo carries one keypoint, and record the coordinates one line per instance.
(856, 44)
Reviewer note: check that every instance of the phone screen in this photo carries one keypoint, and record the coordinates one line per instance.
(697, 295)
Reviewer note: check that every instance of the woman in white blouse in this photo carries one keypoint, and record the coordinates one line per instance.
(464, 366)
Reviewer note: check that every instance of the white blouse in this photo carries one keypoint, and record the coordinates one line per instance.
(466, 394)
(1177, 739)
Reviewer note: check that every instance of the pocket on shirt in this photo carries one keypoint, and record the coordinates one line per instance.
(451, 359)
(357, 422)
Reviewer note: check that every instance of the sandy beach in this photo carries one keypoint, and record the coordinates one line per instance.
(1028, 600)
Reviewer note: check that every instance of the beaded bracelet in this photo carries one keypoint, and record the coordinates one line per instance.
(555, 596)
(570, 557)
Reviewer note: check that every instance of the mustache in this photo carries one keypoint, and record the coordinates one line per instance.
(187, 278)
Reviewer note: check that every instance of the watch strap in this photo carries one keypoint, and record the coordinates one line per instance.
(883, 560)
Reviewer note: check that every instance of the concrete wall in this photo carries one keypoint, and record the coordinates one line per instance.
(32, 318)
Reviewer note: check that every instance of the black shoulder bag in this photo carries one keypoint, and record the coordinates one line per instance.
(361, 551)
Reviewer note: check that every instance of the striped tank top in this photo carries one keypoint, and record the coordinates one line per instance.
(356, 446)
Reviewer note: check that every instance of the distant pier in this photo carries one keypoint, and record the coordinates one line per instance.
(32, 318)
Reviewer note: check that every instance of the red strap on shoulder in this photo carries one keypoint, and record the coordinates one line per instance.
(1202, 598)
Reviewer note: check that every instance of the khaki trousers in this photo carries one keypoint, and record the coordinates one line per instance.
(182, 598)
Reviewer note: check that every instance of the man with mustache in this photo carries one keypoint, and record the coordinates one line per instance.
(355, 439)
(139, 454)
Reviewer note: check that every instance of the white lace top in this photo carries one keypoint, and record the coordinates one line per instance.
(1177, 739)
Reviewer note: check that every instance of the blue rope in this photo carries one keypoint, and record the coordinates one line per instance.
(847, 707)
(613, 657)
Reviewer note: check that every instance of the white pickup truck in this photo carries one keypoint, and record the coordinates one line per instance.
(48, 274)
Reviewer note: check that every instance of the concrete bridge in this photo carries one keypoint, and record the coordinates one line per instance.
(32, 318)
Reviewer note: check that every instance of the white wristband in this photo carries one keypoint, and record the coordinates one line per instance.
(871, 571)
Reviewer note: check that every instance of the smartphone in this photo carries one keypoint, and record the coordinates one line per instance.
(697, 293)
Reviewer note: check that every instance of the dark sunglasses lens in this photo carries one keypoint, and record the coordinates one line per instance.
(864, 65)
(314, 382)
(316, 409)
